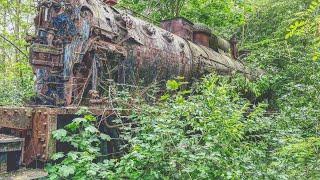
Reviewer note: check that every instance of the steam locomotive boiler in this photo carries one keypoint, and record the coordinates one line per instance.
(81, 45)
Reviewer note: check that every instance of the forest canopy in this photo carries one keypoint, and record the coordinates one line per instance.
(223, 127)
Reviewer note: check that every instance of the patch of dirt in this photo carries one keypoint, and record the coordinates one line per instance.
(24, 174)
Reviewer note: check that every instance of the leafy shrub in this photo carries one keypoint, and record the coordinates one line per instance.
(212, 133)
(82, 163)
(206, 135)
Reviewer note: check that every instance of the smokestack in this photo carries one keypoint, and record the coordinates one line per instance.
(201, 34)
(111, 2)
(178, 26)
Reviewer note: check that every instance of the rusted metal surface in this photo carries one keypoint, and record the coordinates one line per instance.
(36, 133)
(11, 151)
(10, 143)
(81, 44)
(179, 26)
(37, 145)
(234, 47)
(201, 35)
(17, 118)
(111, 2)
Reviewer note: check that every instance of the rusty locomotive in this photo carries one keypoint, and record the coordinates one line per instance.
(80, 45)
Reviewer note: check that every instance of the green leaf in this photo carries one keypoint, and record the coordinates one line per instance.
(83, 111)
(78, 121)
(59, 134)
(91, 129)
(288, 35)
(73, 155)
(105, 137)
(90, 117)
(57, 156)
(172, 85)
(66, 171)
(165, 97)
(180, 99)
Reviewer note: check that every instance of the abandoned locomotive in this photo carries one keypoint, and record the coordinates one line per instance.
(81, 45)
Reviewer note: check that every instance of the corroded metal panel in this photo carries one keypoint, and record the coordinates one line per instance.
(36, 133)
(10, 146)
(201, 34)
(17, 118)
(36, 148)
(10, 143)
(179, 26)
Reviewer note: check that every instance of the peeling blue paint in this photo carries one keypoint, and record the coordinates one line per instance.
(64, 25)
(86, 30)
(69, 53)
(40, 75)
(70, 50)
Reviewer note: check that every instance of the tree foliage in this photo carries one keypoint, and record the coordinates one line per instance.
(293, 83)
(16, 82)
(224, 16)
(307, 27)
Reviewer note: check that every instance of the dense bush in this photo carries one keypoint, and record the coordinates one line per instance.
(294, 81)
(213, 133)
(210, 134)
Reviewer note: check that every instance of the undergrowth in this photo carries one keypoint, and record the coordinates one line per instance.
(208, 131)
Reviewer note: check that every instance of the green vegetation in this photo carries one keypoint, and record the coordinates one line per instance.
(222, 127)
(86, 139)
(224, 16)
(16, 77)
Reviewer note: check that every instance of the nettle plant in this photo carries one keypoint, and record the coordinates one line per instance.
(84, 162)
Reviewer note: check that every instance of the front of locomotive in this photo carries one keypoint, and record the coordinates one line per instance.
(66, 33)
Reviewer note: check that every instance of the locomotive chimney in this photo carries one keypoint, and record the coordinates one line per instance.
(201, 34)
(111, 2)
(179, 26)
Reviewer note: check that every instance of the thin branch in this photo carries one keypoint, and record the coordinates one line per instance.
(10, 42)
